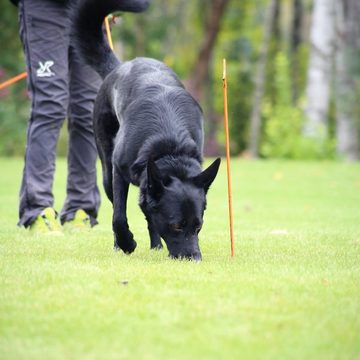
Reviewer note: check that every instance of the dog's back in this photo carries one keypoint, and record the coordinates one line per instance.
(155, 114)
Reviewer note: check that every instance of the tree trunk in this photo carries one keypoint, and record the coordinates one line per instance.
(347, 60)
(255, 120)
(320, 69)
(211, 146)
(199, 73)
(200, 76)
(296, 38)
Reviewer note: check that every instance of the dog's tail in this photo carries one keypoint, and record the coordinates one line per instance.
(88, 17)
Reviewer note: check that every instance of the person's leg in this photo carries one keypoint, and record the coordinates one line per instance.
(43, 34)
(82, 191)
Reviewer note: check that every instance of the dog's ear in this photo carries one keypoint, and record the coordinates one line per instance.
(205, 179)
(154, 183)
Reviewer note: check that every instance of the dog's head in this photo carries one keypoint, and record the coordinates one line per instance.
(176, 208)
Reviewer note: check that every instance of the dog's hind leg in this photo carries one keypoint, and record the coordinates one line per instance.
(107, 179)
(123, 237)
(105, 129)
(105, 153)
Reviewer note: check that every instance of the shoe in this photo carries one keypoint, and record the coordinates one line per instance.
(80, 222)
(46, 223)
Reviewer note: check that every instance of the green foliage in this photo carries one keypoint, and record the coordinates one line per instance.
(284, 123)
(157, 34)
(13, 114)
(13, 99)
(356, 78)
(237, 44)
(292, 290)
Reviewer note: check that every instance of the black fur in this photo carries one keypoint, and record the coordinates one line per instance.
(149, 132)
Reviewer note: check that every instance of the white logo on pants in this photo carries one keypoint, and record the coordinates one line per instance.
(44, 69)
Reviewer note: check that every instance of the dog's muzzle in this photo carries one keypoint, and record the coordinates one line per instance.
(187, 256)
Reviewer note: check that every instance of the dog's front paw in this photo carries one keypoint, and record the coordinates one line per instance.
(125, 242)
(155, 241)
(156, 247)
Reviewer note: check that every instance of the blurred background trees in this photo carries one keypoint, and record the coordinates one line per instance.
(14, 103)
(293, 71)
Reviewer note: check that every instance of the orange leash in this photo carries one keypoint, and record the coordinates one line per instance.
(16, 78)
(108, 33)
(226, 123)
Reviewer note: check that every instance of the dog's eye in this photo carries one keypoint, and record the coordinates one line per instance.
(176, 227)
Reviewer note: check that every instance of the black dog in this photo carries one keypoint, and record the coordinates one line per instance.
(149, 133)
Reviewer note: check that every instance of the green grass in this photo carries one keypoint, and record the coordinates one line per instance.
(291, 292)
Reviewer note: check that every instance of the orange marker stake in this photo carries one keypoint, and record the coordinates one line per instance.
(108, 33)
(226, 123)
(13, 80)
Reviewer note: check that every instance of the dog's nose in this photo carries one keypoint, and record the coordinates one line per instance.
(188, 256)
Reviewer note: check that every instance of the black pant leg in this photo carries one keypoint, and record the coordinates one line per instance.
(44, 31)
(82, 190)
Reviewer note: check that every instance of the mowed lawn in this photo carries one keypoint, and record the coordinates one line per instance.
(291, 292)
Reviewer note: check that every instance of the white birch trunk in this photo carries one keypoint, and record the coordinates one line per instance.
(322, 37)
(346, 91)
